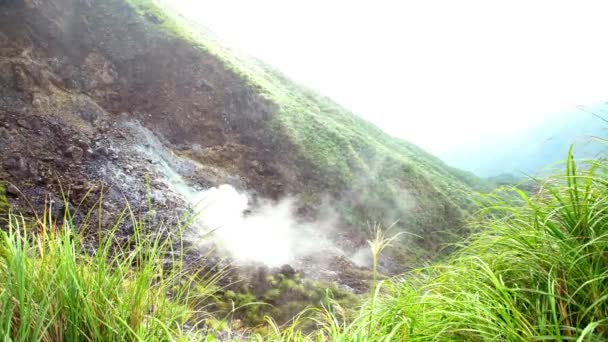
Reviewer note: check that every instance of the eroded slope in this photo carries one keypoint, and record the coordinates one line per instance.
(92, 66)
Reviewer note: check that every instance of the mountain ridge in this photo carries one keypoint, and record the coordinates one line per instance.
(297, 105)
(113, 61)
(538, 149)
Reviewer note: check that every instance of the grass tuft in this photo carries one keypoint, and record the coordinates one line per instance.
(55, 285)
(536, 271)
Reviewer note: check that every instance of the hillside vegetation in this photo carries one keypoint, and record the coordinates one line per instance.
(376, 177)
(58, 285)
(536, 270)
(531, 265)
(103, 65)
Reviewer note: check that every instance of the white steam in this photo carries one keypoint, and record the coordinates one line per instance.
(362, 257)
(269, 234)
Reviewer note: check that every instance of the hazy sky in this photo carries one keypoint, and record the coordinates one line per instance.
(442, 74)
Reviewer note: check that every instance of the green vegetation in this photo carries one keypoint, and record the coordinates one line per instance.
(378, 177)
(56, 286)
(4, 204)
(65, 282)
(537, 270)
(279, 295)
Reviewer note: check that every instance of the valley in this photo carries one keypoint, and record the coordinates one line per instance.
(219, 200)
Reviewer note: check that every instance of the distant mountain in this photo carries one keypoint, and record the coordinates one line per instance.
(536, 150)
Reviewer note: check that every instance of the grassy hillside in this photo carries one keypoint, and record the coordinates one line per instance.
(375, 176)
(536, 271)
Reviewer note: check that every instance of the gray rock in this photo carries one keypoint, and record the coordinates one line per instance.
(101, 151)
(158, 198)
(12, 190)
(4, 133)
(75, 153)
(16, 163)
(24, 124)
(287, 271)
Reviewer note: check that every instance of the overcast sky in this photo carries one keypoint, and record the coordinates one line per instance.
(442, 74)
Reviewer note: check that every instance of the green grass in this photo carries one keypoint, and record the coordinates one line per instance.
(277, 295)
(538, 270)
(60, 285)
(4, 205)
(66, 282)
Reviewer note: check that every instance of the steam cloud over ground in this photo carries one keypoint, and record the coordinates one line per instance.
(267, 233)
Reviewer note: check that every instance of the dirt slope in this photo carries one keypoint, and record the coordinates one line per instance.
(80, 79)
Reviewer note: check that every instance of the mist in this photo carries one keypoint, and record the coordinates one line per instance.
(268, 233)
(248, 231)
(444, 75)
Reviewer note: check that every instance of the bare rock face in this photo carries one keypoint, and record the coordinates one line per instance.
(86, 86)
(72, 72)
(85, 83)
(90, 92)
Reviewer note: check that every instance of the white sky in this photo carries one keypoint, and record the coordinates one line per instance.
(442, 74)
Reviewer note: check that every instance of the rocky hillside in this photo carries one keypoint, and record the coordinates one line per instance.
(89, 86)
